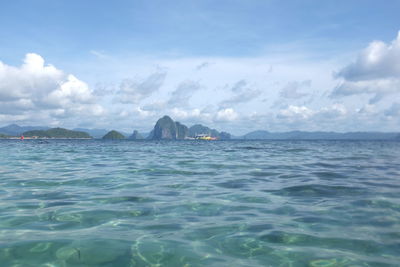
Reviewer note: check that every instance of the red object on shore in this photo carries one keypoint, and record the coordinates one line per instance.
(22, 137)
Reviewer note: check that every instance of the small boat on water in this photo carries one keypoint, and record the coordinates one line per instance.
(205, 137)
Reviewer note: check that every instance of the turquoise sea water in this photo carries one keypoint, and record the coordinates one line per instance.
(237, 203)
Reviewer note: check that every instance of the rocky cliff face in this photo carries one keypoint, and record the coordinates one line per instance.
(136, 135)
(182, 130)
(224, 136)
(167, 129)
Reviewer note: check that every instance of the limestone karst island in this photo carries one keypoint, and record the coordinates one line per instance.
(165, 129)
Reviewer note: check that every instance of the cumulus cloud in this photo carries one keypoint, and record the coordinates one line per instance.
(377, 61)
(32, 76)
(295, 112)
(132, 91)
(375, 71)
(182, 114)
(35, 87)
(334, 111)
(303, 113)
(241, 94)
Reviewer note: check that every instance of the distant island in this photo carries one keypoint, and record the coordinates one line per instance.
(56, 133)
(113, 135)
(136, 136)
(168, 129)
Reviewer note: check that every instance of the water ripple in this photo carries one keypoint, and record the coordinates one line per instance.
(240, 203)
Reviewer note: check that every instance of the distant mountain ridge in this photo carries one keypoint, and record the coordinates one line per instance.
(319, 135)
(16, 130)
(97, 133)
(181, 131)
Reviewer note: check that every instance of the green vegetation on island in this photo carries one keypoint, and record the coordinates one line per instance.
(57, 133)
(113, 135)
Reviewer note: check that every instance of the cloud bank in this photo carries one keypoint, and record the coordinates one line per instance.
(232, 94)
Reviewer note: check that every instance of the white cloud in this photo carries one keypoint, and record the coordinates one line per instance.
(377, 61)
(295, 112)
(144, 113)
(35, 88)
(32, 79)
(182, 114)
(312, 118)
(226, 115)
(376, 72)
(332, 112)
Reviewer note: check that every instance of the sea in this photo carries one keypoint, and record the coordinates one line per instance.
(199, 203)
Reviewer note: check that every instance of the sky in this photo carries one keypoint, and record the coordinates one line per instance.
(236, 66)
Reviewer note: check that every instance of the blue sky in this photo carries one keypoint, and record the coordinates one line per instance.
(234, 65)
